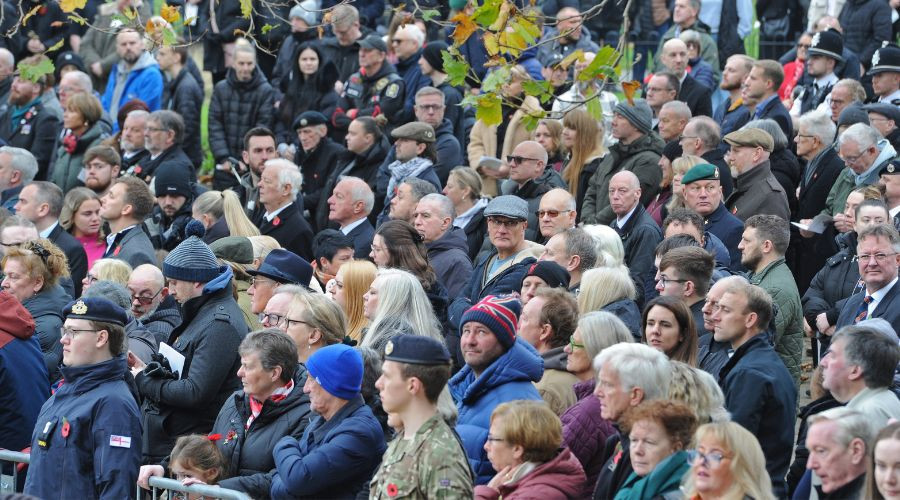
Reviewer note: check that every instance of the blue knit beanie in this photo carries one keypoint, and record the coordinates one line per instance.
(338, 368)
(192, 260)
(500, 314)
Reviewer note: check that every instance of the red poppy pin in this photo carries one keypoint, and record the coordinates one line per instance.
(231, 435)
(43, 10)
(137, 170)
(116, 251)
(734, 211)
(617, 457)
(214, 437)
(66, 428)
(276, 221)
(391, 490)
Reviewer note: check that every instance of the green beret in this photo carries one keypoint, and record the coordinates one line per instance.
(701, 172)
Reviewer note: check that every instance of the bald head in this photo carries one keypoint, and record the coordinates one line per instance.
(146, 281)
(675, 56)
(529, 161)
(624, 192)
(556, 212)
(628, 177)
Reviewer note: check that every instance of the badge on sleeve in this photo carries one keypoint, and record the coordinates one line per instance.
(392, 90)
(120, 441)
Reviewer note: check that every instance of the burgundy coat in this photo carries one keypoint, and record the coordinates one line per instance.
(561, 478)
(585, 433)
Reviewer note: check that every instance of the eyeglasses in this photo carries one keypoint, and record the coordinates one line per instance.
(574, 345)
(156, 129)
(663, 280)
(552, 213)
(71, 333)
(259, 280)
(518, 159)
(879, 257)
(852, 159)
(398, 41)
(492, 439)
(507, 223)
(288, 322)
(144, 300)
(430, 107)
(683, 137)
(271, 319)
(712, 459)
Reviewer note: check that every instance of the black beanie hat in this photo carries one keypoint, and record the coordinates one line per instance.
(172, 180)
(672, 150)
(432, 54)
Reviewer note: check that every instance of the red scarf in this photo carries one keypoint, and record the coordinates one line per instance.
(256, 406)
(70, 142)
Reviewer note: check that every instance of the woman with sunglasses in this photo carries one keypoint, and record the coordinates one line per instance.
(584, 430)
(726, 463)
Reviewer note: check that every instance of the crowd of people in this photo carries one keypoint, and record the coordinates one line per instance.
(368, 292)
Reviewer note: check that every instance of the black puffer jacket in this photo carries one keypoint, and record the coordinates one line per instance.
(184, 95)
(249, 452)
(237, 107)
(834, 282)
(866, 23)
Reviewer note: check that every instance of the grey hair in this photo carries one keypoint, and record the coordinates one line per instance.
(418, 187)
(442, 203)
(695, 4)
(273, 348)
(819, 124)
(114, 292)
(610, 252)
(288, 173)
(602, 286)
(429, 90)
(415, 32)
(290, 289)
(49, 193)
(679, 108)
(856, 89)
(865, 136)
(638, 365)
(873, 350)
(580, 243)
(401, 298)
(601, 329)
(138, 113)
(707, 130)
(23, 161)
(690, 36)
(17, 221)
(772, 128)
(360, 191)
(851, 425)
(170, 120)
(82, 79)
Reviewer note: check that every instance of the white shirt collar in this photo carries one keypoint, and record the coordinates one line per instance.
(624, 220)
(879, 294)
(350, 227)
(269, 216)
(46, 232)
(111, 238)
(829, 79)
(890, 98)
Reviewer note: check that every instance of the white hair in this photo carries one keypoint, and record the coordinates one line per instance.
(23, 161)
(442, 203)
(638, 365)
(863, 135)
(360, 191)
(288, 173)
(819, 124)
(81, 79)
(415, 32)
(401, 299)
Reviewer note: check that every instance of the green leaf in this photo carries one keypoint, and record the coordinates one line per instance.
(34, 72)
(428, 15)
(495, 79)
(526, 29)
(267, 28)
(602, 66)
(469, 100)
(489, 109)
(246, 8)
(120, 19)
(456, 68)
(169, 37)
(531, 120)
(594, 108)
(75, 18)
(487, 13)
(539, 89)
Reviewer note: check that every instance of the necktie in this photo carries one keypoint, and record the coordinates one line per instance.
(863, 311)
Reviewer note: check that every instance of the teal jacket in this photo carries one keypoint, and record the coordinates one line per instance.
(665, 477)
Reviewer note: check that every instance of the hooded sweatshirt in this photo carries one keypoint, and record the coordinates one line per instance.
(143, 81)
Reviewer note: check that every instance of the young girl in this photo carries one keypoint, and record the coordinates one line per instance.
(197, 460)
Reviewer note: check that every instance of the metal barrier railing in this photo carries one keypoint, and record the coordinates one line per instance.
(205, 491)
(9, 483)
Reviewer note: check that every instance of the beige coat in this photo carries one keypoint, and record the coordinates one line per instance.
(483, 141)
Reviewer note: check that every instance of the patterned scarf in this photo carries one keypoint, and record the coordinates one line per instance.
(400, 170)
(256, 406)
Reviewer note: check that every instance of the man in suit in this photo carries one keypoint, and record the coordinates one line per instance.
(760, 93)
(17, 168)
(279, 184)
(124, 207)
(27, 124)
(349, 205)
(675, 58)
(41, 202)
(878, 251)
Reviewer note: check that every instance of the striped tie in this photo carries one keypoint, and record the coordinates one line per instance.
(863, 311)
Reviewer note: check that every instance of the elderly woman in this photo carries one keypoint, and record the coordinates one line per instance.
(395, 304)
(463, 188)
(81, 118)
(343, 436)
(31, 274)
(80, 216)
(611, 289)
(584, 430)
(351, 283)
(607, 245)
(668, 325)
(658, 431)
(727, 462)
(115, 270)
(313, 322)
(524, 448)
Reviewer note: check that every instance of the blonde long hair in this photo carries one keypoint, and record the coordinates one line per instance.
(358, 277)
(588, 145)
(748, 464)
(218, 204)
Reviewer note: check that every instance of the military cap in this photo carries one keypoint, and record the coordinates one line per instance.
(886, 59)
(886, 110)
(96, 309)
(751, 137)
(416, 131)
(310, 119)
(827, 43)
(507, 206)
(416, 350)
(701, 172)
(373, 42)
(892, 168)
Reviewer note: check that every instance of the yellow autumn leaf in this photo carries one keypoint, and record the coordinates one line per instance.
(464, 28)
(30, 13)
(500, 23)
(170, 13)
(71, 5)
(491, 44)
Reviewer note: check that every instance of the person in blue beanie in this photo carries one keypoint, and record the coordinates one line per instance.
(342, 446)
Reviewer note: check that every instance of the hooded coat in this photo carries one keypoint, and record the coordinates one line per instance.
(144, 81)
(508, 378)
(449, 258)
(236, 107)
(46, 308)
(556, 384)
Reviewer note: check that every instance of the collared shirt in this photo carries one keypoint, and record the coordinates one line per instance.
(350, 227)
(111, 238)
(762, 105)
(878, 295)
(890, 98)
(621, 221)
(271, 215)
(46, 232)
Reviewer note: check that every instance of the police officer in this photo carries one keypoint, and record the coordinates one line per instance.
(885, 74)
(87, 439)
(886, 118)
(426, 459)
(824, 56)
(375, 90)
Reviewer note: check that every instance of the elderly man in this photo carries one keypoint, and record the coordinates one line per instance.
(840, 440)
(7, 71)
(762, 247)
(885, 74)
(447, 245)
(703, 194)
(131, 141)
(17, 168)
(878, 252)
(349, 205)
(151, 302)
(673, 117)
(759, 391)
(759, 92)
(702, 137)
(638, 149)
(674, 57)
(865, 152)
(530, 179)
(629, 375)
(638, 230)
(501, 271)
(279, 184)
(844, 94)
(431, 106)
(316, 156)
(135, 76)
(27, 124)
(756, 190)
(162, 139)
(574, 250)
(16, 230)
(556, 212)
(732, 114)
(280, 267)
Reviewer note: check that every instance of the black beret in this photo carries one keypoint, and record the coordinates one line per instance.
(96, 309)
(892, 168)
(416, 350)
(310, 119)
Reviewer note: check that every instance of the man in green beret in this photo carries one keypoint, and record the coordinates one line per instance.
(425, 459)
(756, 190)
(703, 194)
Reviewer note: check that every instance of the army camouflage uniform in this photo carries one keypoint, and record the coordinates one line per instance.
(431, 465)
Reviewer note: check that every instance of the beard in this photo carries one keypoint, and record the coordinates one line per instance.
(19, 99)
(96, 184)
(131, 58)
(750, 261)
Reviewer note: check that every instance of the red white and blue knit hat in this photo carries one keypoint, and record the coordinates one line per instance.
(500, 314)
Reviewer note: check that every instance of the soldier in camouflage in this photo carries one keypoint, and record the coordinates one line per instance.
(426, 459)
